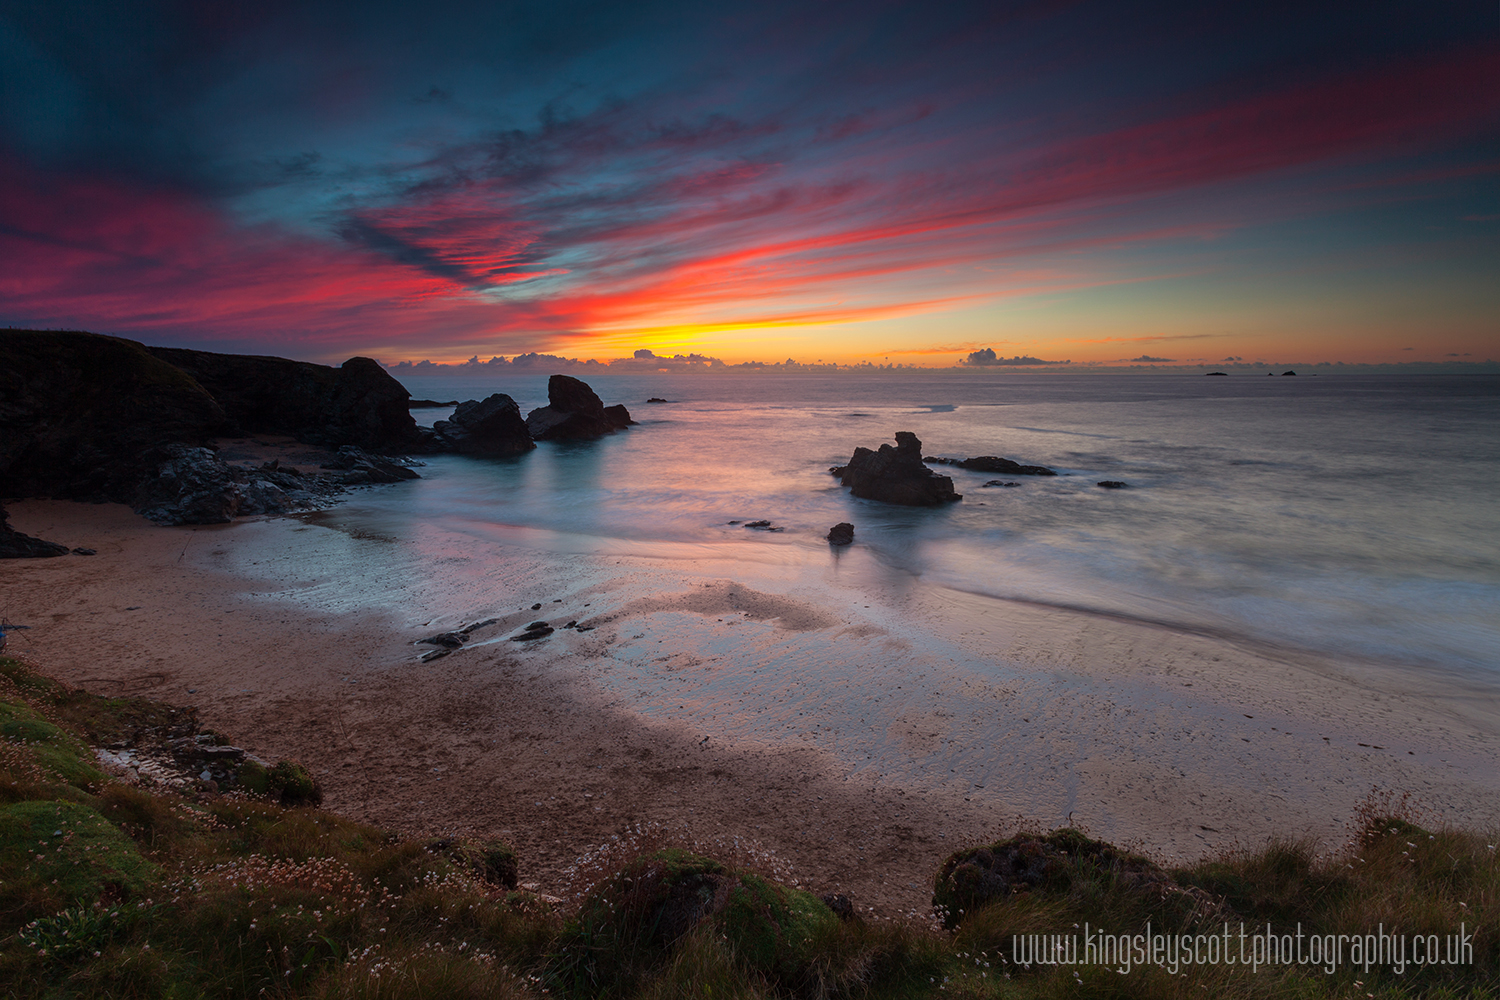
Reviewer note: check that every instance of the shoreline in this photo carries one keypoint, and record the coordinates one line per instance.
(1008, 714)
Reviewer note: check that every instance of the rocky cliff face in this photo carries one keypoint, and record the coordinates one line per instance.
(88, 417)
(356, 403)
(78, 411)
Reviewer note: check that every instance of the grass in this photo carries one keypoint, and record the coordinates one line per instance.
(111, 890)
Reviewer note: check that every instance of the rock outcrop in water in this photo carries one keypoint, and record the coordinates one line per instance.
(991, 463)
(491, 426)
(352, 466)
(896, 475)
(574, 412)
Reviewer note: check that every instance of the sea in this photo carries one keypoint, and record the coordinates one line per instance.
(1356, 516)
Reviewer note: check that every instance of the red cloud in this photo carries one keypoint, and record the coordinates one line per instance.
(697, 241)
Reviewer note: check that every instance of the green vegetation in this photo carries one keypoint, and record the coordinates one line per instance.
(629, 926)
(112, 890)
(287, 782)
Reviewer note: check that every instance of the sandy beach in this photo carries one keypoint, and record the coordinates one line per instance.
(857, 723)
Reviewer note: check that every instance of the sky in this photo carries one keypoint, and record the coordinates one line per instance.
(903, 183)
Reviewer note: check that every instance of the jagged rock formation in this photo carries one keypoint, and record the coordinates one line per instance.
(896, 475)
(353, 467)
(190, 485)
(491, 426)
(574, 412)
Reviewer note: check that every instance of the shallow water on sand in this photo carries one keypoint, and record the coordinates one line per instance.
(1350, 515)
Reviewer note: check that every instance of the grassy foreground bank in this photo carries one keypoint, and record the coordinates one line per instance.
(110, 888)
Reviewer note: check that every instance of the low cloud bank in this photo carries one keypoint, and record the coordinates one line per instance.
(646, 361)
(985, 358)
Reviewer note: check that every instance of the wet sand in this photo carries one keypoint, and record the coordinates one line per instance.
(854, 722)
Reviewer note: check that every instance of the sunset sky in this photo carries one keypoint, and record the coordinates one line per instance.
(902, 182)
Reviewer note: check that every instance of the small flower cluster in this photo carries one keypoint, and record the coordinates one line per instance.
(74, 930)
(327, 877)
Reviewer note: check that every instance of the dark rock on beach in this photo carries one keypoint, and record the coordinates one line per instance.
(428, 404)
(841, 534)
(574, 412)
(15, 545)
(491, 426)
(992, 463)
(188, 485)
(656, 399)
(896, 475)
(357, 468)
(185, 484)
(1112, 484)
(450, 640)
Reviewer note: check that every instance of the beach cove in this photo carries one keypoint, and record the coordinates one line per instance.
(858, 719)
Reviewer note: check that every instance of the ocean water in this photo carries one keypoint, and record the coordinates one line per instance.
(1357, 516)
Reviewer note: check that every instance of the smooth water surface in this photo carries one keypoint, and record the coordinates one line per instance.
(1345, 514)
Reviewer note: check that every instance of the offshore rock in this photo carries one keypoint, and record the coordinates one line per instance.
(491, 426)
(896, 475)
(992, 463)
(574, 412)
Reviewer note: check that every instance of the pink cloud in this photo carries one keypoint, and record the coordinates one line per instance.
(487, 262)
